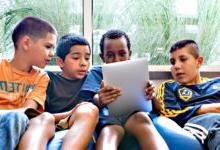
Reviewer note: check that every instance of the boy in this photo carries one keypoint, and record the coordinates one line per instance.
(115, 46)
(191, 100)
(24, 86)
(73, 57)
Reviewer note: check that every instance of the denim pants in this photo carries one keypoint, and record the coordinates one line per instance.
(208, 127)
(12, 127)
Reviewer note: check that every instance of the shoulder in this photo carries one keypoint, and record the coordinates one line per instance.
(96, 69)
(205, 80)
(169, 85)
(93, 79)
(4, 62)
(212, 81)
(39, 73)
(51, 74)
(217, 79)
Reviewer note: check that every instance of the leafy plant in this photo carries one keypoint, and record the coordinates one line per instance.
(65, 15)
(154, 26)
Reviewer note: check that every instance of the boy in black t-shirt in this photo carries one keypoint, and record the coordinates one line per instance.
(73, 57)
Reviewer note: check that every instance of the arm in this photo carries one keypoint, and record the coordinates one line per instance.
(38, 94)
(59, 116)
(28, 104)
(209, 108)
(151, 95)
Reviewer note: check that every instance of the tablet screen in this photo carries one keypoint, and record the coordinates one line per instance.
(130, 76)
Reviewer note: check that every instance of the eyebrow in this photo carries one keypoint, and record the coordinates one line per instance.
(73, 53)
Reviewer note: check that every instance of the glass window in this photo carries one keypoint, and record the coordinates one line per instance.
(65, 15)
(153, 26)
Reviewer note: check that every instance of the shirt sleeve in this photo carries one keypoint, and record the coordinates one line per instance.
(170, 106)
(38, 93)
(92, 84)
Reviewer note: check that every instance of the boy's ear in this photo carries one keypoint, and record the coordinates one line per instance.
(59, 62)
(102, 57)
(130, 52)
(25, 42)
(200, 61)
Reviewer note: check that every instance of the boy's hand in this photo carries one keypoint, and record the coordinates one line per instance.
(151, 95)
(150, 91)
(107, 94)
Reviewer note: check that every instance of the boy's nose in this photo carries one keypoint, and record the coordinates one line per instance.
(177, 65)
(83, 62)
(51, 53)
(117, 59)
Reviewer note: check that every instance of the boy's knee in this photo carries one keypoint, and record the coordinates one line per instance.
(112, 130)
(43, 119)
(87, 110)
(138, 118)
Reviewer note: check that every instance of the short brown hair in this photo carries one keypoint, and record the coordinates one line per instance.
(194, 49)
(32, 26)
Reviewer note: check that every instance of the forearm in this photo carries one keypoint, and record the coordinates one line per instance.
(59, 116)
(96, 100)
(156, 105)
(209, 108)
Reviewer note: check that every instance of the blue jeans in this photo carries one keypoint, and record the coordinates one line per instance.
(12, 127)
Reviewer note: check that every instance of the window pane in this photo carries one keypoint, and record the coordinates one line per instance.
(154, 26)
(65, 15)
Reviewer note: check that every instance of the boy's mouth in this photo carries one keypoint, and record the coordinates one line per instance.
(82, 72)
(179, 75)
(47, 61)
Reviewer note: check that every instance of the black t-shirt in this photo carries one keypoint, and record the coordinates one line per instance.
(62, 94)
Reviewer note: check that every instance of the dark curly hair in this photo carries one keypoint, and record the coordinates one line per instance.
(114, 34)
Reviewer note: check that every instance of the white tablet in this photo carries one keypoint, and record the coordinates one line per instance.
(130, 76)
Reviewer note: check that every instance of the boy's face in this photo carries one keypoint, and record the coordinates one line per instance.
(76, 63)
(115, 50)
(41, 50)
(185, 67)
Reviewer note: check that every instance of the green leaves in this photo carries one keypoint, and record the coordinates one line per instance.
(65, 15)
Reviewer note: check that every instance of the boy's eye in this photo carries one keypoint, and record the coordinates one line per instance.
(122, 54)
(75, 56)
(48, 46)
(110, 55)
(182, 59)
(172, 61)
(87, 58)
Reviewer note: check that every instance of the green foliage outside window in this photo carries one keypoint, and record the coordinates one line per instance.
(152, 25)
(65, 15)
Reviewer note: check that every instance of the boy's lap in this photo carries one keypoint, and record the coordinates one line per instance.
(63, 124)
(105, 120)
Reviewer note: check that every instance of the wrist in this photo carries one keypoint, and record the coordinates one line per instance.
(97, 101)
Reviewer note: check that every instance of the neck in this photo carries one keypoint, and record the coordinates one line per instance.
(20, 63)
(198, 80)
